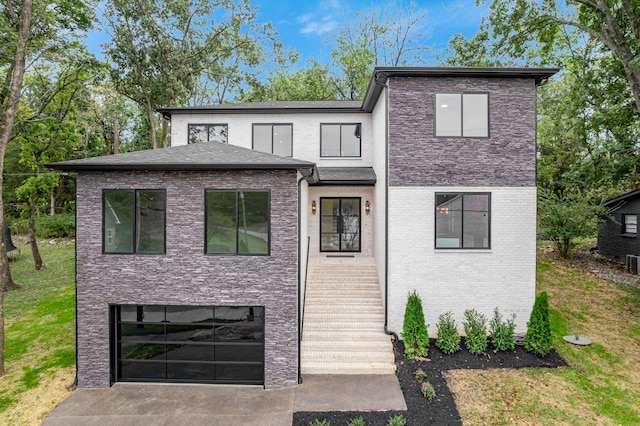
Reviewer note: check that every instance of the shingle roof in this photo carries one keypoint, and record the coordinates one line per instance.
(623, 197)
(346, 176)
(202, 156)
(262, 107)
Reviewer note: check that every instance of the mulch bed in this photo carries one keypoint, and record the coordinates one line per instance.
(442, 410)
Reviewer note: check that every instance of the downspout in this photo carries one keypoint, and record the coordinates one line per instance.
(386, 208)
(65, 175)
(304, 177)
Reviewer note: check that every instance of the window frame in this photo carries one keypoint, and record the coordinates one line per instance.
(237, 192)
(342, 156)
(253, 136)
(189, 125)
(135, 223)
(462, 136)
(435, 221)
(625, 232)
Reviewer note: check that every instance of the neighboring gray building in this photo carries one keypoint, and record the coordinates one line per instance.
(618, 236)
(225, 259)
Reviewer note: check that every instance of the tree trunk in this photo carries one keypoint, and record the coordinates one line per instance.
(52, 202)
(37, 259)
(165, 129)
(152, 124)
(116, 136)
(7, 118)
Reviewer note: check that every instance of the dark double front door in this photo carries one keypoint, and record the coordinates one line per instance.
(340, 224)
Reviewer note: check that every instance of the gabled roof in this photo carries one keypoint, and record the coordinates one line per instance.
(377, 82)
(201, 156)
(623, 197)
(345, 176)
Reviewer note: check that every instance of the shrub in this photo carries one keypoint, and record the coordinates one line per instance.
(420, 374)
(538, 338)
(475, 327)
(503, 337)
(398, 420)
(428, 391)
(414, 329)
(448, 340)
(317, 422)
(358, 421)
(57, 226)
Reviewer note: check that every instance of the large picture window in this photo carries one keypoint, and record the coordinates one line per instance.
(630, 224)
(208, 133)
(273, 139)
(134, 221)
(340, 140)
(462, 115)
(237, 222)
(463, 220)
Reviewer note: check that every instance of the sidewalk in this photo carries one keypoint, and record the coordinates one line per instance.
(133, 404)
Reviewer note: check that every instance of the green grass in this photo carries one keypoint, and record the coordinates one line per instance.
(39, 331)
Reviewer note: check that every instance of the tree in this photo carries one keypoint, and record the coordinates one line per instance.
(160, 51)
(516, 25)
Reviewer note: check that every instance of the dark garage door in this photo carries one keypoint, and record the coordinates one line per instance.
(188, 344)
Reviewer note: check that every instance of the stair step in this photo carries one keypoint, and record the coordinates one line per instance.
(332, 335)
(347, 368)
(346, 345)
(348, 357)
(343, 317)
(344, 325)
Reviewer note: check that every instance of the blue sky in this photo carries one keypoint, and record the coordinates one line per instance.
(306, 24)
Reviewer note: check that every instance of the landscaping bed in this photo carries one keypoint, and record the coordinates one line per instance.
(442, 409)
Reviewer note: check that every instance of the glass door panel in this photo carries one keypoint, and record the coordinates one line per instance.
(340, 224)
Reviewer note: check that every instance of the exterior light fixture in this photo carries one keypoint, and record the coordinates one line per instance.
(367, 207)
(313, 207)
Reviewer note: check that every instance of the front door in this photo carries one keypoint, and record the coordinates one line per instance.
(340, 224)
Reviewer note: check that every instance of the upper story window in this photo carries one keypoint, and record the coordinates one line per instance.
(340, 140)
(237, 222)
(273, 139)
(463, 220)
(462, 115)
(630, 224)
(208, 133)
(134, 221)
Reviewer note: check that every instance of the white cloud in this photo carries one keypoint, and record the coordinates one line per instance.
(317, 27)
(305, 18)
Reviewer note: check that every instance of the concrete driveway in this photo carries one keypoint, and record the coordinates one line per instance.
(134, 404)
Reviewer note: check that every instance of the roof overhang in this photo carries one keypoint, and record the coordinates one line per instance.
(344, 176)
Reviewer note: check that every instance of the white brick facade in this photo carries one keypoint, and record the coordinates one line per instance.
(455, 280)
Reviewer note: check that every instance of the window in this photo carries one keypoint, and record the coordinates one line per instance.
(237, 222)
(208, 133)
(630, 224)
(340, 140)
(463, 220)
(462, 115)
(134, 221)
(273, 139)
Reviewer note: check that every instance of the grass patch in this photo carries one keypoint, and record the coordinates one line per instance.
(39, 335)
(602, 384)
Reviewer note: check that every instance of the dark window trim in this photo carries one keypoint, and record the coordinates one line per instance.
(135, 222)
(115, 354)
(435, 113)
(435, 221)
(207, 124)
(624, 232)
(359, 225)
(237, 192)
(341, 156)
(253, 134)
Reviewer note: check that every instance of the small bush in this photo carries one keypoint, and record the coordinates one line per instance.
(428, 391)
(398, 420)
(503, 337)
(475, 327)
(317, 422)
(420, 374)
(448, 340)
(414, 329)
(358, 421)
(57, 226)
(538, 338)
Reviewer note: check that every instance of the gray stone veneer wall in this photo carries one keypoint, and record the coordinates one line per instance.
(418, 158)
(184, 275)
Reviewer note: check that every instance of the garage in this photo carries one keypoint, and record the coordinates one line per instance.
(187, 344)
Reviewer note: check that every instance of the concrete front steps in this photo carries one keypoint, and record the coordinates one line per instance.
(344, 320)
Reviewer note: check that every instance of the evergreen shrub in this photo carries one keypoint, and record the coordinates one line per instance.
(538, 338)
(475, 327)
(414, 330)
(503, 337)
(448, 340)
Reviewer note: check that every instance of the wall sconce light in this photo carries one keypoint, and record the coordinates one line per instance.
(313, 207)
(367, 207)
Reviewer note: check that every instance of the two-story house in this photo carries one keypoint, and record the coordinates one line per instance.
(279, 239)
